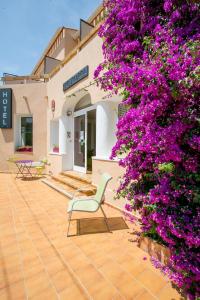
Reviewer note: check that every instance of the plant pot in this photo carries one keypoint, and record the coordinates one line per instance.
(56, 149)
(158, 251)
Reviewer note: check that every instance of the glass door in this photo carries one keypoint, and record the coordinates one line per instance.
(80, 143)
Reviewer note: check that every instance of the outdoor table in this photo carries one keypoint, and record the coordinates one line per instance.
(24, 167)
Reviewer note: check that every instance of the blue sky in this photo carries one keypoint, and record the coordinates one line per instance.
(26, 27)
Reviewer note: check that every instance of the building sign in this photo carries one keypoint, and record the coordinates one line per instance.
(5, 108)
(76, 78)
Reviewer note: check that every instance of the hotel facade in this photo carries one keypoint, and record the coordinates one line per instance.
(58, 112)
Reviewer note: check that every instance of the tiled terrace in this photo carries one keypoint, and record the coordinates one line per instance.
(38, 261)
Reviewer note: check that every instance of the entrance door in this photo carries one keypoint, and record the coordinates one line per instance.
(84, 139)
(80, 143)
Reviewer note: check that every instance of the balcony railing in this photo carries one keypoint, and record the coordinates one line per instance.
(98, 17)
(22, 79)
(57, 42)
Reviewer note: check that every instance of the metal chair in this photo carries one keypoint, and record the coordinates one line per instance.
(90, 204)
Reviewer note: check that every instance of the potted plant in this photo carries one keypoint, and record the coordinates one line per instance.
(56, 148)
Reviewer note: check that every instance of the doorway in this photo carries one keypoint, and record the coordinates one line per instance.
(84, 139)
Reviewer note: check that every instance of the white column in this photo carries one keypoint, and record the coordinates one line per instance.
(62, 136)
(106, 120)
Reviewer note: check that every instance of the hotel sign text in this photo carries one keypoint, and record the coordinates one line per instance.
(5, 108)
(76, 78)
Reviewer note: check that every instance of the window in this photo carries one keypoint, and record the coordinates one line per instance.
(26, 131)
(24, 134)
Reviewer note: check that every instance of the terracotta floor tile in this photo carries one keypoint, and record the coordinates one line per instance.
(10, 276)
(169, 293)
(88, 247)
(89, 275)
(73, 292)
(151, 281)
(28, 256)
(15, 291)
(10, 261)
(99, 259)
(113, 271)
(48, 294)
(69, 252)
(146, 296)
(79, 262)
(37, 284)
(102, 289)
(33, 269)
(37, 235)
(134, 267)
(10, 249)
(8, 240)
(41, 244)
(130, 289)
(60, 243)
(46, 252)
(108, 294)
(27, 247)
(62, 280)
(54, 266)
(122, 280)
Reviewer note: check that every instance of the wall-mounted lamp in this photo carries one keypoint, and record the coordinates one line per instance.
(69, 113)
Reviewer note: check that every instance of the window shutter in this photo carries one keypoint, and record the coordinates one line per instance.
(122, 109)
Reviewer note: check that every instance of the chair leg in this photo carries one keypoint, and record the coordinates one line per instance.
(106, 220)
(69, 220)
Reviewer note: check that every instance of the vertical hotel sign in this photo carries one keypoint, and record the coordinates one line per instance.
(5, 108)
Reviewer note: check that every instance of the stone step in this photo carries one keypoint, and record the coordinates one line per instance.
(86, 178)
(86, 189)
(59, 187)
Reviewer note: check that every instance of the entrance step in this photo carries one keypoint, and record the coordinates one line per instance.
(75, 184)
(86, 178)
(61, 188)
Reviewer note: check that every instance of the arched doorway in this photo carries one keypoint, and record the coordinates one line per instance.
(84, 134)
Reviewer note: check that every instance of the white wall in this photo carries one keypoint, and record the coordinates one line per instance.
(62, 135)
(106, 119)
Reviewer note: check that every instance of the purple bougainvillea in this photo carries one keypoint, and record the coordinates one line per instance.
(151, 57)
